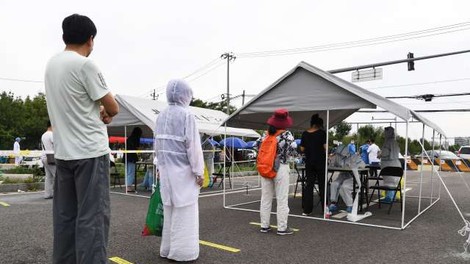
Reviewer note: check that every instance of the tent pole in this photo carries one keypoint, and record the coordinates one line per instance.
(440, 185)
(421, 174)
(432, 171)
(325, 190)
(403, 194)
(125, 151)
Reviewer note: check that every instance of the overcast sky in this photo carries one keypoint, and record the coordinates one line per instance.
(140, 45)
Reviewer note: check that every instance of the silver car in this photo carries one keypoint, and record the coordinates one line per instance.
(464, 152)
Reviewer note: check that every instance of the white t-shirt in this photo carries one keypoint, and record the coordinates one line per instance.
(74, 85)
(373, 150)
(47, 142)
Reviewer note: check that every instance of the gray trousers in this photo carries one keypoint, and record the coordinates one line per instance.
(81, 211)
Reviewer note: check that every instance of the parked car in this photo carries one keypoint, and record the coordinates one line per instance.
(248, 154)
(464, 152)
(31, 161)
(442, 154)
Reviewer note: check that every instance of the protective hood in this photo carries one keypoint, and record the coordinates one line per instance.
(178, 92)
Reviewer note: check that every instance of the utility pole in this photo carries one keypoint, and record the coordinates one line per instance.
(243, 98)
(228, 56)
(154, 96)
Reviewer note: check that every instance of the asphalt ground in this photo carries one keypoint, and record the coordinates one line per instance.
(26, 230)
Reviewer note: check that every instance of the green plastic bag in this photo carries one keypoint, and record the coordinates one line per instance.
(154, 221)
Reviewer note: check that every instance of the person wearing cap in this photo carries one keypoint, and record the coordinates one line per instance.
(17, 151)
(313, 144)
(279, 185)
(180, 163)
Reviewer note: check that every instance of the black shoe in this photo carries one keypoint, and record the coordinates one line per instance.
(49, 197)
(288, 231)
(265, 229)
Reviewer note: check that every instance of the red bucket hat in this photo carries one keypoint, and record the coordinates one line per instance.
(280, 119)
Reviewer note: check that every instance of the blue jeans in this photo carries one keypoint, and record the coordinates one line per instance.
(148, 179)
(130, 173)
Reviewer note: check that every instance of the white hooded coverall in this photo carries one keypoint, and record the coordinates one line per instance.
(180, 160)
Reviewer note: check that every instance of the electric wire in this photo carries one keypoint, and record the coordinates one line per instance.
(360, 43)
(416, 84)
(20, 80)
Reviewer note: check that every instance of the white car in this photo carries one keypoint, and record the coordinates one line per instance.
(464, 152)
(31, 162)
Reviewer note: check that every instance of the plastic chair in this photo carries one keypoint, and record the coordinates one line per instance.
(396, 172)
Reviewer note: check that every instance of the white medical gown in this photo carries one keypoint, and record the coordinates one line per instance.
(178, 148)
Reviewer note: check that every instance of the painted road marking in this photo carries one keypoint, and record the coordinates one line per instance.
(119, 260)
(273, 226)
(4, 204)
(210, 244)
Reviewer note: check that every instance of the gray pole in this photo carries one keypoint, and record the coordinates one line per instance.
(228, 84)
(396, 62)
(229, 57)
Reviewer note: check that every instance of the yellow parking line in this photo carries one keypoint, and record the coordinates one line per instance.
(4, 204)
(273, 226)
(210, 244)
(120, 260)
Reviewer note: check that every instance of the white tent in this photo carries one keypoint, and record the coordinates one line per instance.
(306, 90)
(135, 111)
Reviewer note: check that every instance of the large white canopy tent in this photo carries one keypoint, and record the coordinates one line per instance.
(306, 90)
(140, 112)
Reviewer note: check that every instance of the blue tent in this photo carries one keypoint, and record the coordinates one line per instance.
(146, 140)
(233, 142)
(250, 144)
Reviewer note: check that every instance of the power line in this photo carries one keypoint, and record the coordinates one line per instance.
(20, 80)
(426, 97)
(360, 43)
(416, 84)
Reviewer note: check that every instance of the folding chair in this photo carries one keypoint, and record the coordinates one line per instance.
(114, 174)
(396, 172)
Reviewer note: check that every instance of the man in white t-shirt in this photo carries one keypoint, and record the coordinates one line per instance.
(49, 168)
(374, 160)
(79, 106)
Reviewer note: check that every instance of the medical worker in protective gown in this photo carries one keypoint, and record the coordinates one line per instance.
(181, 166)
(390, 158)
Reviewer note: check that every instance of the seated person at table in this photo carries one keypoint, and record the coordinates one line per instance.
(343, 184)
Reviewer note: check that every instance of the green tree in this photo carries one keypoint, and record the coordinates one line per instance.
(370, 132)
(221, 106)
(341, 130)
(25, 119)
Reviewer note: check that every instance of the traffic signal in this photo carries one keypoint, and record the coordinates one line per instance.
(411, 64)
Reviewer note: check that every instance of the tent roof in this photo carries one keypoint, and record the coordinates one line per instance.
(306, 90)
(135, 111)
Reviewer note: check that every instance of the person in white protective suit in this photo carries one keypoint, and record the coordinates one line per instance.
(390, 158)
(17, 151)
(180, 162)
(343, 183)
